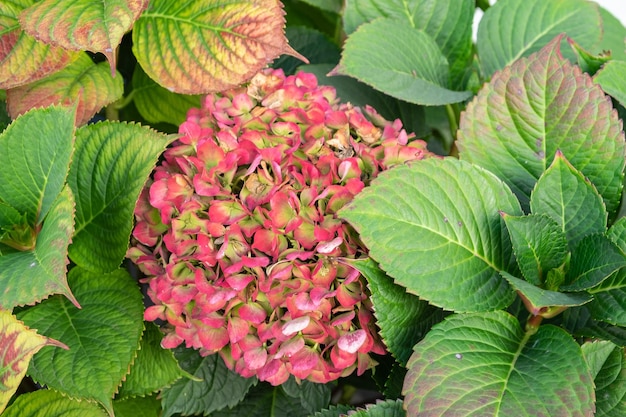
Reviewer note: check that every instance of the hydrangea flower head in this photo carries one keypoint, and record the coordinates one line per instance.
(238, 233)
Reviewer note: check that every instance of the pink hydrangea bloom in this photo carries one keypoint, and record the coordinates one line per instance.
(238, 233)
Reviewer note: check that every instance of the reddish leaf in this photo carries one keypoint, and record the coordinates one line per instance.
(90, 85)
(200, 47)
(22, 58)
(18, 344)
(96, 26)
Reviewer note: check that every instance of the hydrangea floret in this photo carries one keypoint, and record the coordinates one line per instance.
(238, 235)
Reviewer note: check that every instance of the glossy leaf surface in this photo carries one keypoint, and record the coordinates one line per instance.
(103, 336)
(434, 227)
(531, 109)
(485, 364)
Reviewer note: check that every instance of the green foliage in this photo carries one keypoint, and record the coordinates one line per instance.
(497, 274)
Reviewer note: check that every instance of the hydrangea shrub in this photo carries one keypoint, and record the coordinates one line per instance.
(239, 236)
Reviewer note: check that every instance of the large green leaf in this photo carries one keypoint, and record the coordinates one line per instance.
(103, 336)
(27, 277)
(594, 259)
(195, 47)
(35, 152)
(157, 104)
(539, 245)
(403, 318)
(448, 22)
(419, 74)
(84, 83)
(512, 29)
(580, 322)
(485, 364)
(339, 410)
(434, 227)
(533, 108)
(48, 403)
(23, 59)
(567, 197)
(612, 79)
(79, 25)
(18, 344)
(110, 167)
(153, 369)
(206, 395)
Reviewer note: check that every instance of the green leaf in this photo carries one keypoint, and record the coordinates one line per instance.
(588, 62)
(333, 6)
(265, 400)
(539, 245)
(35, 152)
(103, 336)
(400, 61)
(23, 59)
(568, 198)
(533, 108)
(540, 302)
(153, 369)
(352, 91)
(609, 299)
(434, 227)
(610, 383)
(511, 29)
(612, 79)
(311, 43)
(187, 396)
(48, 403)
(29, 276)
(157, 104)
(18, 344)
(194, 47)
(313, 396)
(594, 259)
(338, 410)
(388, 408)
(137, 407)
(84, 83)
(111, 165)
(403, 318)
(82, 25)
(484, 364)
(448, 22)
(580, 323)
(613, 35)
(596, 353)
(609, 303)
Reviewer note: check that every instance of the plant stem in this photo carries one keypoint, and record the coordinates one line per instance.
(453, 120)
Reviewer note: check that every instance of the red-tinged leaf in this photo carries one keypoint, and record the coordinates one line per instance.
(18, 344)
(534, 107)
(22, 58)
(195, 47)
(89, 84)
(96, 26)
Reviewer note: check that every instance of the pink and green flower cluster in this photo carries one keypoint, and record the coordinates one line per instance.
(239, 236)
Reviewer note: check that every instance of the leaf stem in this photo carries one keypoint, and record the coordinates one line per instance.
(453, 120)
